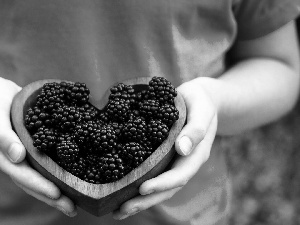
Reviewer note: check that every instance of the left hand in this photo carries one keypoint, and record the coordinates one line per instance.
(193, 146)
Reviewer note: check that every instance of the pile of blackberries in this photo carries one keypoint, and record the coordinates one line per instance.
(101, 146)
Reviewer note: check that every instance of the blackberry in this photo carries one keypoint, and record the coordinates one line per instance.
(118, 127)
(140, 97)
(87, 112)
(65, 137)
(77, 92)
(51, 97)
(117, 109)
(65, 118)
(149, 147)
(162, 90)
(133, 153)
(83, 133)
(93, 172)
(112, 167)
(67, 151)
(123, 91)
(149, 108)
(103, 117)
(45, 140)
(93, 175)
(157, 131)
(132, 114)
(135, 129)
(168, 114)
(35, 118)
(104, 139)
(54, 87)
(78, 168)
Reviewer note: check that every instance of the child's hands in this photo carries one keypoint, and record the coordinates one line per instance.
(193, 145)
(12, 158)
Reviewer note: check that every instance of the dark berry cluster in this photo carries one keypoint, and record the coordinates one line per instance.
(162, 90)
(101, 146)
(45, 139)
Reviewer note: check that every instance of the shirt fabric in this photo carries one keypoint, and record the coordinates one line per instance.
(103, 42)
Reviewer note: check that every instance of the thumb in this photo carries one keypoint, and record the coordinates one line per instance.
(11, 146)
(200, 112)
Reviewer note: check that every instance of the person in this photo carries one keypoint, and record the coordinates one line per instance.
(235, 62)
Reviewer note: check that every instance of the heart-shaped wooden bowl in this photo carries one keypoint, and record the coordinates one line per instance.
(97, 199)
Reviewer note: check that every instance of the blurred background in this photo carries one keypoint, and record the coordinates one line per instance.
(265, 169)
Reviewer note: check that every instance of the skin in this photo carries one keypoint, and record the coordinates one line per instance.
(260, 87)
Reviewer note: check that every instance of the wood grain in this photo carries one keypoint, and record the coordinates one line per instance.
(97, 199)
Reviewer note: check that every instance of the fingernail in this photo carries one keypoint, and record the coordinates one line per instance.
(185, 145)
(123, 217)
(70, 214)
(14, 152)
(129, 213)
(62, 210)
(133, 211)
(149, 192)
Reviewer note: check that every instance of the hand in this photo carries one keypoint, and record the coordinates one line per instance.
(12, 158)
(193, 146)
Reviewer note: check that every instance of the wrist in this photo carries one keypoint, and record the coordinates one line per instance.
(8, 90)
(215, 90)
(6, 84)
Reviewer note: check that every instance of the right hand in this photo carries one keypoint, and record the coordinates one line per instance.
(14, 164)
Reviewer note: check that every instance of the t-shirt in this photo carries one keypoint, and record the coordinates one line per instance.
(103, 42)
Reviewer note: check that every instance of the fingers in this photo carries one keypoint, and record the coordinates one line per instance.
(24, 175)
(184, 168)
(12, 163)
(141, 203)
(200, 112)
(63, 203)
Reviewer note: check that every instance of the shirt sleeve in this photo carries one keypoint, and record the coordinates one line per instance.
(256, 18)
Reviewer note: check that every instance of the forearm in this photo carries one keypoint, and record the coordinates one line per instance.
(252, 93)
(261, 86)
